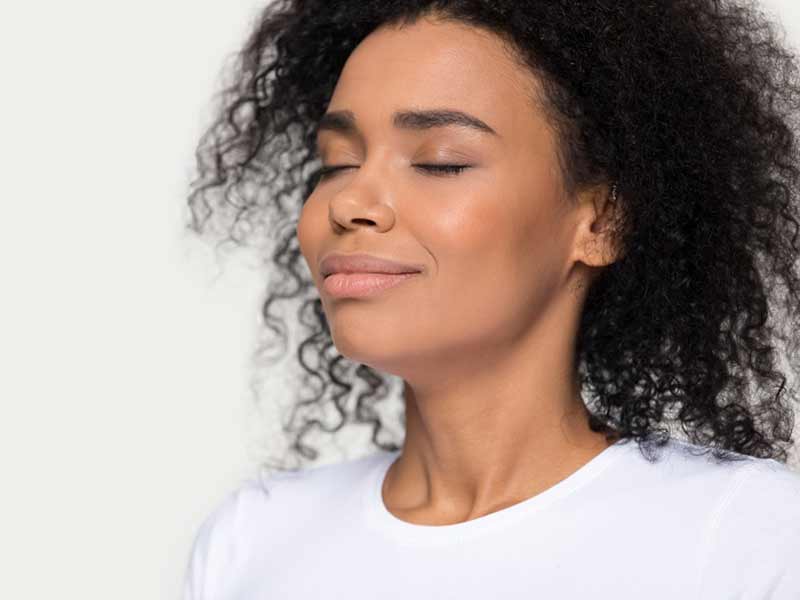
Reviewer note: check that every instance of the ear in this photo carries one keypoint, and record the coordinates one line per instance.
(597, 211)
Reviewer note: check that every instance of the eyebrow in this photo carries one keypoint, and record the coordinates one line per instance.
(344, 121)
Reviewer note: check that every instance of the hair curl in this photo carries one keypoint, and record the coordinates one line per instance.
(690, 105)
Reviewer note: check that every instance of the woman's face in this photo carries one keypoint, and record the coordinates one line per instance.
(497, 241)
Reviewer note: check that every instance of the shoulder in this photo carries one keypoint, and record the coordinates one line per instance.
(755, 492)
(279, 493)
(762, 503)
(739, 517)
(682, 464)
(215, 542)
(752, 538)
(254, 518)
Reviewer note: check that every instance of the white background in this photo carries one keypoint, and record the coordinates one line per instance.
(124, 346)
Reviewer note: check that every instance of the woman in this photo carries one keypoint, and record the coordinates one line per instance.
(565, 227)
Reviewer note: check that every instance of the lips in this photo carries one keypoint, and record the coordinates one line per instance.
(335, 262)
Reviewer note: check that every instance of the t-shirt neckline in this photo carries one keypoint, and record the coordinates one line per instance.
(382, 519)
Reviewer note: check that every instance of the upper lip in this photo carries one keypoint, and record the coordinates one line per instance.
(336, 262)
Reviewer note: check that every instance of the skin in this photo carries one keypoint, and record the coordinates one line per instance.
(483, 338)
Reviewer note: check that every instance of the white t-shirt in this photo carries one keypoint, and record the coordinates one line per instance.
(619, 527)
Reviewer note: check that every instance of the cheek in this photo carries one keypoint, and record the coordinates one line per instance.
(475, 239)
(310, 228)
(497, 253)
(481, 232)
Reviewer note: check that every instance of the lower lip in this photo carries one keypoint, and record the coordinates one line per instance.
(361, 285)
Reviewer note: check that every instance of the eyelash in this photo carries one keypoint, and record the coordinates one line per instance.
(441, 170)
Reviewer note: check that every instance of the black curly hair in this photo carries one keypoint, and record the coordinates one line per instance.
(691, 106)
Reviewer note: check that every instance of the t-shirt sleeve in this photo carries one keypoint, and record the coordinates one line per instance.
(212, 552)
(196, 567)
(754, 537)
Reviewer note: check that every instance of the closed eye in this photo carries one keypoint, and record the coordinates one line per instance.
(436, 170)
(443, 169)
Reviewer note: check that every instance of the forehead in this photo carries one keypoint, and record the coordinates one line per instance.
(434, 63)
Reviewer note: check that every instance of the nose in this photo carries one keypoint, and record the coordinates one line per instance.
(365, 198)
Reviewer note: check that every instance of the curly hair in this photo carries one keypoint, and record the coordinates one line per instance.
(691, 106)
